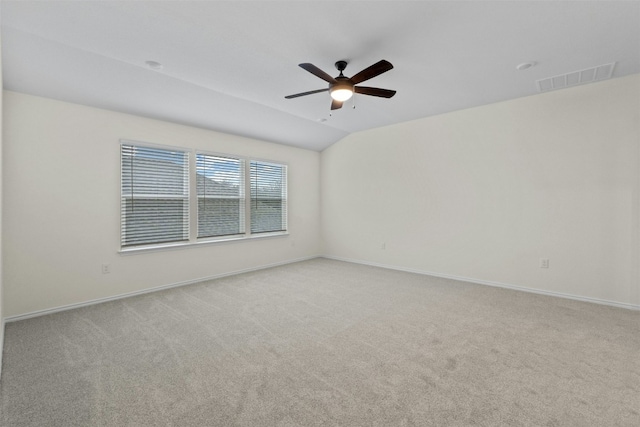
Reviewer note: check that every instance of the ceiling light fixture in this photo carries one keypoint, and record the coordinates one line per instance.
(154, 65)
(525, 66)
(341, 91)
(342, 88)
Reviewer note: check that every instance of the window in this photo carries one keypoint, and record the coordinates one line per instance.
(220, 188)
(268, 197)
(155, 195)
(235, 198)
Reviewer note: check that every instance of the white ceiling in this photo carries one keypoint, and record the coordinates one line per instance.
(229, 64)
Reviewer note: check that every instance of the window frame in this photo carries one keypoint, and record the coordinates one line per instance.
(186, 221)
(285, 196)
(243, 215)
(194, 240)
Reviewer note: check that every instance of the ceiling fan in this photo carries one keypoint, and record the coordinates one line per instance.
(342, 88)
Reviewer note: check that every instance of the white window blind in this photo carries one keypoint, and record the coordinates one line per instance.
(268, 197)
(221, 200)
(154, 195)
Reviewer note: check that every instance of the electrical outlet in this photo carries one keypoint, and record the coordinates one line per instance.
(544, 262)
(106, 268)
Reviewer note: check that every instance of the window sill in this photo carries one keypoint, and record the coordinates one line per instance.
(200, 243)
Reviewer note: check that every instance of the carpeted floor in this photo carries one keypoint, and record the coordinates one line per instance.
(326, 343)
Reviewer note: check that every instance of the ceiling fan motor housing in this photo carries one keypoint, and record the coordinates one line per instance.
(342, 82)
(341, 65)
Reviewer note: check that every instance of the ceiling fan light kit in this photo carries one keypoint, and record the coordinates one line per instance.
(341, 93)
(341, 88)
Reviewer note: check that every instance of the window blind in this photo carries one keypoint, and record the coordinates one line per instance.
(221, 201)
(154, 195)
(268, 197)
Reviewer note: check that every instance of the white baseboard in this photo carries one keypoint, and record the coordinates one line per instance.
(490, 283)
(144, 291)
(355, 261)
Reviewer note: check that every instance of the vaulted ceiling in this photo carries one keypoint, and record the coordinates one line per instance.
(227, 65)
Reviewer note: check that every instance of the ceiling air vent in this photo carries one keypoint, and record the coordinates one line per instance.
(588, 75)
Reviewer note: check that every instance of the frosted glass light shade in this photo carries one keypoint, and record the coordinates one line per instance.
(341, 94)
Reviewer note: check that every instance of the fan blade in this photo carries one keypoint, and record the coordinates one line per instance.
(372, 71)
(374, 91)
(317, 72)
(311, 92)
(336, 104)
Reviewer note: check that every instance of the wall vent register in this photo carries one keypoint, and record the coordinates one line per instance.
(575, 78)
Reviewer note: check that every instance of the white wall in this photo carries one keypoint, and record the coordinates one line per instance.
(62, 206)
(484, 193)
(1, 197)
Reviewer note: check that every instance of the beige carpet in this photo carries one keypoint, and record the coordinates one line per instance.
(326, 343)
